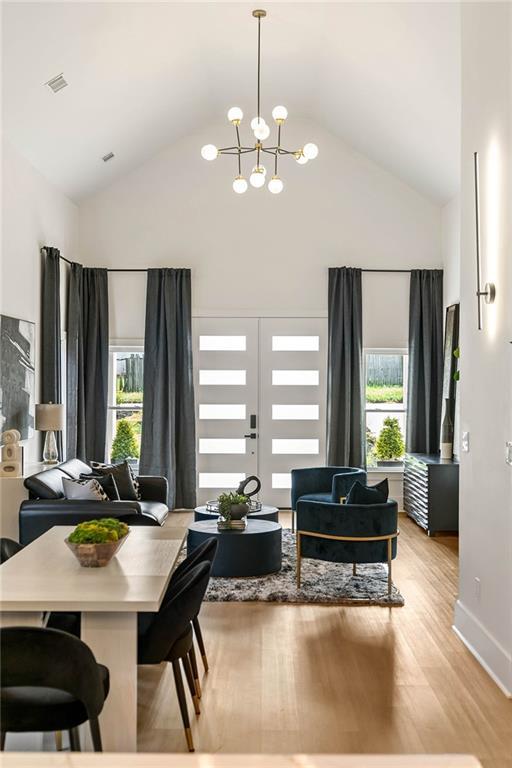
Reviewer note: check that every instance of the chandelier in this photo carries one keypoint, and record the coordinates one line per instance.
(261, 132)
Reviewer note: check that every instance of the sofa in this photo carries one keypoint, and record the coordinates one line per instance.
(47, 506)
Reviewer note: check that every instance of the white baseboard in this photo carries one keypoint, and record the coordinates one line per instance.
(490, 654)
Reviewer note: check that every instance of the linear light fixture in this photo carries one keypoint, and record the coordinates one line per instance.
(489, 292)
(261, 132)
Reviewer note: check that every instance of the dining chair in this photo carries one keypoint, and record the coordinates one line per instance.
(64, 620)
(205, 552)
(169, 636)
(50, 681)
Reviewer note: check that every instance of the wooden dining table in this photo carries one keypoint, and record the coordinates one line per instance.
(46, 576)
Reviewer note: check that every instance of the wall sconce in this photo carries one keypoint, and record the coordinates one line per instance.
(489, 292)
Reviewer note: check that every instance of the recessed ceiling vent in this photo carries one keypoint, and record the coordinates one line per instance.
(57, 83)
(107, 157)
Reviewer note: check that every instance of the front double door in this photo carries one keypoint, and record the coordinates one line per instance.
(260, 402)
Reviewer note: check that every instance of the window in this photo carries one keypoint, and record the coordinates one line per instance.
(222, 343)
(385, 406)
(295, 343)
(295, 378)
(126, 369)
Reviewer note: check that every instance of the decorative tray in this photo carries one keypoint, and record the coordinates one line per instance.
(254, 506)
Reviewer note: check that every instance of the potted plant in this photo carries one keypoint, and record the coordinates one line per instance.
(233, 507)
(95, 542)
(390, 446)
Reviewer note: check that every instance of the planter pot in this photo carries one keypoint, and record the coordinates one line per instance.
(238, 511)
(96, 555)
(395, 463)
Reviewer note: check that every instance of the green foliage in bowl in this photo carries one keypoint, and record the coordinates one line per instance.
(228, 500)
(98, 531)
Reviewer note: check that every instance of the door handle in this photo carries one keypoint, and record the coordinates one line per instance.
(251, 435)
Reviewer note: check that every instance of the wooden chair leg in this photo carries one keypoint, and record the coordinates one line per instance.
(298, 560)
(74, 740)
(200, 642)
(96, 735)
(191, 683)
(354, 569)
(2, 741)
(58, 741)
(195, 671)
(183, 703)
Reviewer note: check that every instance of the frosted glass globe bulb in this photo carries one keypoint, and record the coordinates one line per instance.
(235, 115)
(256, 121)
(301, 158)
(280, 114)
(275, 185)
(209, 152)
(310, 151)
(262, 132)
(240, 185)
(257, 177)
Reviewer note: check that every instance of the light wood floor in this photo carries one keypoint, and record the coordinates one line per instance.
(313, 679)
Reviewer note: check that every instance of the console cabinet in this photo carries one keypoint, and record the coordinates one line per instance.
(431, 492)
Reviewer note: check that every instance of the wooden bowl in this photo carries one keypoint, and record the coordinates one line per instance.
(96, 555)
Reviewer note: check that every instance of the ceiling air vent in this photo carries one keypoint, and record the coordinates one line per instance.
(107, 157)
(57, 83)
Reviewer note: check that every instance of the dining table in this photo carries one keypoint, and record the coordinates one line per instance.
(46, 576)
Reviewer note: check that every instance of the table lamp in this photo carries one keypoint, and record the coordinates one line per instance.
(50, 419)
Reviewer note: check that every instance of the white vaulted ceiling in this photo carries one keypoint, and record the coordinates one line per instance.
(384, 77)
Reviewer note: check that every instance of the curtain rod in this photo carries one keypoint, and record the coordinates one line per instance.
(387, 270)
(108, 270)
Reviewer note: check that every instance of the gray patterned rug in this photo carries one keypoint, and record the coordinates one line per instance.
(322, 582)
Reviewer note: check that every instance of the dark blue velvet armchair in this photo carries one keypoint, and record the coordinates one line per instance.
(330, 484)
(347, 533)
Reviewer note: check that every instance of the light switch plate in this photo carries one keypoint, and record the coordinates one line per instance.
(465, 442)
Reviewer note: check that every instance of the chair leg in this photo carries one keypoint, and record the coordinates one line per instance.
(200, 642)
(74, 740)
(354, 569)
(183, 703)
(195, 671)
(96, 735)
(293, 521)
(390, 552)
(191, 683)
(58, 741)
(298, 560)
(2, 741)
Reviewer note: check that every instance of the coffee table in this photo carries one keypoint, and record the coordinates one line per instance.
(270, 514)
(255, 551)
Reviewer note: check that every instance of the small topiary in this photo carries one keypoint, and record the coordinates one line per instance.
(124, 445)
(99, 531)
(390, 442)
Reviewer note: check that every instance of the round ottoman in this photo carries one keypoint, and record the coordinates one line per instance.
(252, 552)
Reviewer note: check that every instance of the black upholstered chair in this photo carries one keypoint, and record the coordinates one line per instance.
(204, 553)
(347, 533)
(50, 681)
(329, 484)
(169, 637)
(64, 620)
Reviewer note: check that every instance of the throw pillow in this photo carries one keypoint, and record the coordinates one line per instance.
(365, 494)
(107, 482)
(85, 490)
(135, 482)
(122, 476)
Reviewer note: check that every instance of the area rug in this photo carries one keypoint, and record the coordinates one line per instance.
(322, 582)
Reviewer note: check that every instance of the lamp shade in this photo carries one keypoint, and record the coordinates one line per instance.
(50, 416)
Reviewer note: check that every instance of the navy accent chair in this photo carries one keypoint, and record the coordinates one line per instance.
(347, 533)
(328, 484)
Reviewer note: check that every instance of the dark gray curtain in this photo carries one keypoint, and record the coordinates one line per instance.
(87, 363)
(51, 375)
(424, 398)
(168, 424)
(345, 435)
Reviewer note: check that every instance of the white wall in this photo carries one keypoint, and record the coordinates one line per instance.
(483, 615)
(450, 246)
(259, 252)
(34, 214)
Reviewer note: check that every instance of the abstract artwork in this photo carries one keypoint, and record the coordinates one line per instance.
(17, 353)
